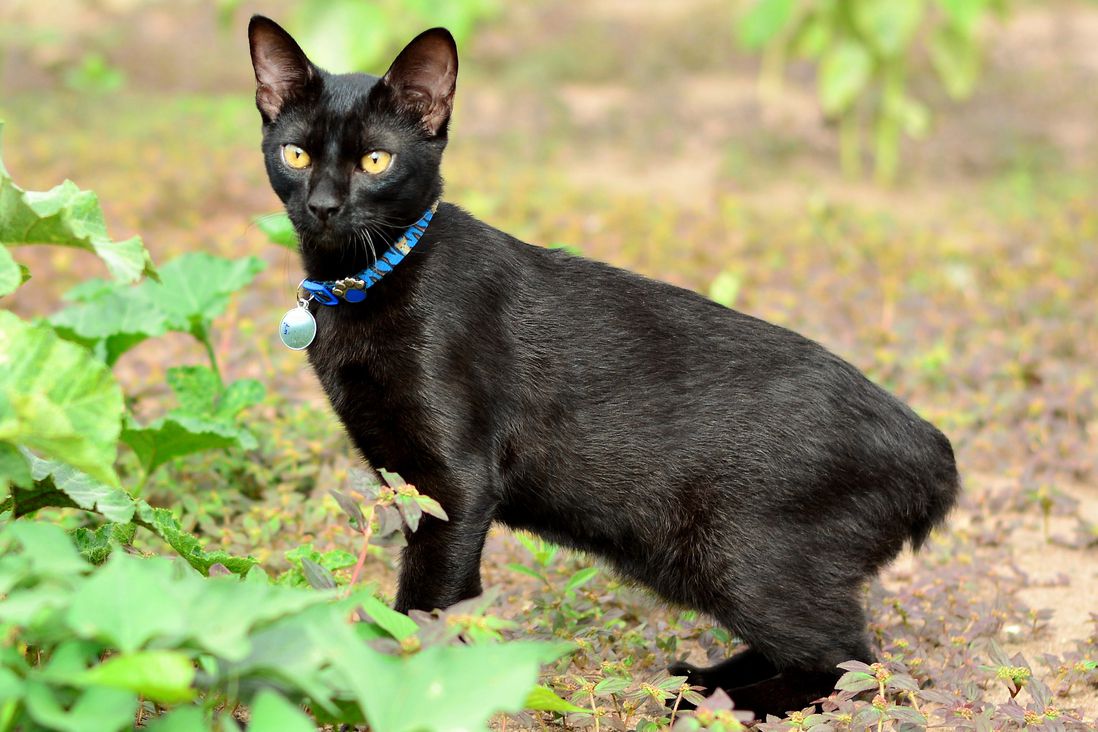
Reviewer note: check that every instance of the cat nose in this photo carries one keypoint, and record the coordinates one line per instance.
(324, 208)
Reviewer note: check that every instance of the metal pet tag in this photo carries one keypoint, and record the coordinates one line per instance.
(298, 328)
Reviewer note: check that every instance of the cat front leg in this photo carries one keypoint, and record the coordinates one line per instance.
(441, 564)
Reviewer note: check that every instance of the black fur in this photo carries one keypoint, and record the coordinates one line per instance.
(730, 465)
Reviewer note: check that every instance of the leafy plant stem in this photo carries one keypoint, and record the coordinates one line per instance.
(367, 522)
(140, 487)
(675, 707)
(212, 355)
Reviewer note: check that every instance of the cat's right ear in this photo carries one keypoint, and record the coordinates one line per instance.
(282, 71)
(423, 78)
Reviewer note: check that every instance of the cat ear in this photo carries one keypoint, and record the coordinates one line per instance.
(282, 70)
(424, 76)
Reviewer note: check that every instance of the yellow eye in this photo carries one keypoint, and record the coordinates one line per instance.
(376, 161)
(295, 157)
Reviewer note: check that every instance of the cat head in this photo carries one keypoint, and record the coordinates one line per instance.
(353, 157)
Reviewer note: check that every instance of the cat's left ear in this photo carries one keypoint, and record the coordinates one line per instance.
(424, 76)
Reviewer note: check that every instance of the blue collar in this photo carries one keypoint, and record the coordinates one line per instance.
(353, 289)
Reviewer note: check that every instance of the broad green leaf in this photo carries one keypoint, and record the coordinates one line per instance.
(888, 25)
(107, 608)
(98, 709)
(195, 388)
(956, 59)
(57, 400)
(162, 676)
(200, 394)
(46, 546)
(544, 699)
(26, 501)
(85, 491)
(444, 688)
(763, 21)
(14, 469)
(844, 72)
(187, 545)
(238, 396)
(294, 650)
(180, 434)
(96, 545)
(279, 229)
(183, 719)
(67, 216)
(396, 624)
(271, 713)
(195, 288)
(120, 318)
(10, 275)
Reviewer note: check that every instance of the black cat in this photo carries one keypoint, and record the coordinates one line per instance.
(728, 464)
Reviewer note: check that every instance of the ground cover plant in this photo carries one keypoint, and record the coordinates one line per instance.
(968, 290)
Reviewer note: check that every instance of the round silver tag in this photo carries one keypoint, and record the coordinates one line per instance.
(298, 329)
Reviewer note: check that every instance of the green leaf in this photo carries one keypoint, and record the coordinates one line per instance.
(238, 396)
(444, 688)
(107, 608)
(196, 388)
(272, 713)
(844, 72)
(14, 469)
(188, 546)
(195, 288)
(179, 434)
(25, 501)
(317, 576)
(200, 394)
(544, 699)
(398, 625)
(279, 229)
(10, 275)
(580, 578)
(57, 400)
(67, 216)
(98, 709)
(183, 719)
(956, 59)
(888, 25)
(162, 676)
(85, 491)
(611, 685)
(46, 546)
(120, 318)
(528, 571)
(763, 21)
(96, 545)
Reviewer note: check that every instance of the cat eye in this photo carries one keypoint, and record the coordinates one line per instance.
(295, 157)
(376, 161)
